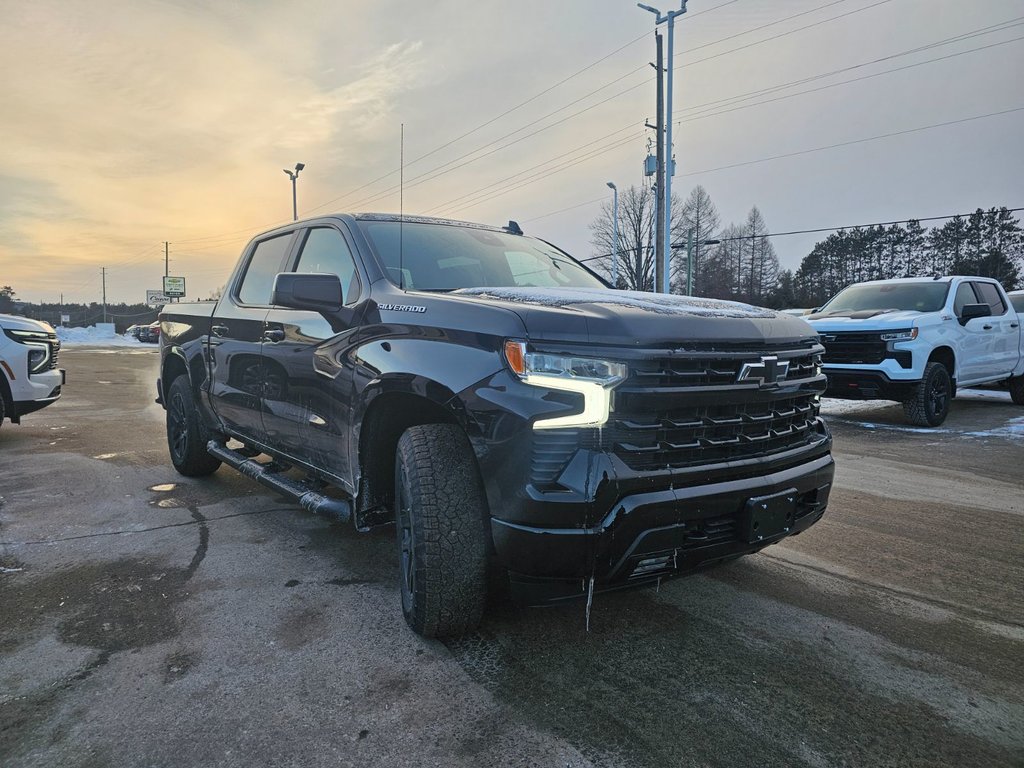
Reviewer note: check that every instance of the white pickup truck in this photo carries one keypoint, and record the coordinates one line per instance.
(916, 340)
(29, 376)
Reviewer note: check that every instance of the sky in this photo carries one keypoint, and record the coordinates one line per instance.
(127, 124)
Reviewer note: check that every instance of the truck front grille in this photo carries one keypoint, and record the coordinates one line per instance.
(854, 348)
(692, 409)
(54, 350)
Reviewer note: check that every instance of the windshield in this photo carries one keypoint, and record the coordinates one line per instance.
(1018, 302)
(913, 297)
(440, 257)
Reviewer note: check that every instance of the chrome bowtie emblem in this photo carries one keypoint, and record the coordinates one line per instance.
(769, 371)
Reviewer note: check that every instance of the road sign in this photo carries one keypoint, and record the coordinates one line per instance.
(174, 286)
(154, 298)
(65, 318)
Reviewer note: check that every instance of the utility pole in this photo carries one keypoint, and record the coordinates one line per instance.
(666, 190)
(167, 260)
(104, 271)
(660, 244)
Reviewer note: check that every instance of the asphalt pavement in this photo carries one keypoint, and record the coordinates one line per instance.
(152, 620)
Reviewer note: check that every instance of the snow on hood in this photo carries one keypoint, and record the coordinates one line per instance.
(16, 322)
(660, 303)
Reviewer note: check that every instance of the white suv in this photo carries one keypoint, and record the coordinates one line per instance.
(29, 376)
(916, 340)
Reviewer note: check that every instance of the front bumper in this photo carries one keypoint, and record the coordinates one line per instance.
(857, 384)
(650, 535)
(37, 392)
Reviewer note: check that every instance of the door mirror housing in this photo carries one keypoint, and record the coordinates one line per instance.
(971, 311)
(311, 291)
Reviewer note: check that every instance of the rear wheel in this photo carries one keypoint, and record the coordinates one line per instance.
(929, 405)
(1017, 390)
(440, 511)
(187, 436)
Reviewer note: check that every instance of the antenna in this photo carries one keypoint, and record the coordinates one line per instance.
(401, 209)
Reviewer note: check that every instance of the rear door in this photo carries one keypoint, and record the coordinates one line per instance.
(308, 414)
(1003, 328)
(237, 376)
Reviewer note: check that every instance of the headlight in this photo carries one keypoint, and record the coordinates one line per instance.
(908, 335)
(590, 377)
(38, 357)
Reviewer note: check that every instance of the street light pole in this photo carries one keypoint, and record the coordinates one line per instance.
(293, 175)
(670, 17)
(689, 257)
(615, 228)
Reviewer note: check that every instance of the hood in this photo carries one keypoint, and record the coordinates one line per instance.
(865, 320)
(16, 323)
(605, 316)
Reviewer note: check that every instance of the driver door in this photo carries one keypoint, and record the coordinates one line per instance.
(305, 413)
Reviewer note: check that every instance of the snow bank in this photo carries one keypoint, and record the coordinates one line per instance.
(665, 304)
(99, 335)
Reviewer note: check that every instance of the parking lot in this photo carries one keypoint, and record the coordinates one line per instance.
(149, 619)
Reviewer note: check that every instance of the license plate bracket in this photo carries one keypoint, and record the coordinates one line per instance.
(769, 517)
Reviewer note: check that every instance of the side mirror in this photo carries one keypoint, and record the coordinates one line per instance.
(306, 290)
(971, 311)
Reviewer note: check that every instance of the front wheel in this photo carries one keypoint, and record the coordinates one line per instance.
(1017, 390)
(440, 511)
(929, 404)
(186, 434)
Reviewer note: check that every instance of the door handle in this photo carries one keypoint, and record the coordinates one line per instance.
(987, 327)
(219, 330)
(1014, 325)
(273, 335)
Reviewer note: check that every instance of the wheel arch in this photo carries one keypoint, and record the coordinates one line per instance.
(387, 412)
(947, 358)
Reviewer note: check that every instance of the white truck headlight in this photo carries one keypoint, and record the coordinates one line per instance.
(908, 335)
(591, 377)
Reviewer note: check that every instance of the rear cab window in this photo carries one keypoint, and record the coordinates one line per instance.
(989, 294)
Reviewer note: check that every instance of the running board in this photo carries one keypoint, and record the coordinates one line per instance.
(308, 499)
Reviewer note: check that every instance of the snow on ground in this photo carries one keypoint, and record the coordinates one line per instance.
(101, 335)
(854, 411)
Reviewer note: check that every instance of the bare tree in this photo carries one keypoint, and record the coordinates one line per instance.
(636, 238)
(699, 215)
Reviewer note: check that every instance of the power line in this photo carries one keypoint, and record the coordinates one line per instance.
(454, 164)
(473, 201)
(815, 149)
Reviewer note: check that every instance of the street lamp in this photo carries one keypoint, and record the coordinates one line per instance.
(293, 175)
(689, 256)
(666, 210)
(615, 250)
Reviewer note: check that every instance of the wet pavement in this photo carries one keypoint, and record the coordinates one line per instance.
(149, 619)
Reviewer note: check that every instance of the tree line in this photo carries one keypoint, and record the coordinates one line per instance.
(738, 261)
(121, 315)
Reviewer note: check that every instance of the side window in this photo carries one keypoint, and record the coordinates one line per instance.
(989, 294)
(267, 260)
(326, 251)
(964, 295)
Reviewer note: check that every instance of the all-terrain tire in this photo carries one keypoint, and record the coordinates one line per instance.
(929, 404)
(3, 408)
(441, 514)
(1017, 390)
(187, 436)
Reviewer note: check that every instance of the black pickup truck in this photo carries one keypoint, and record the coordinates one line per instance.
(518, 421)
